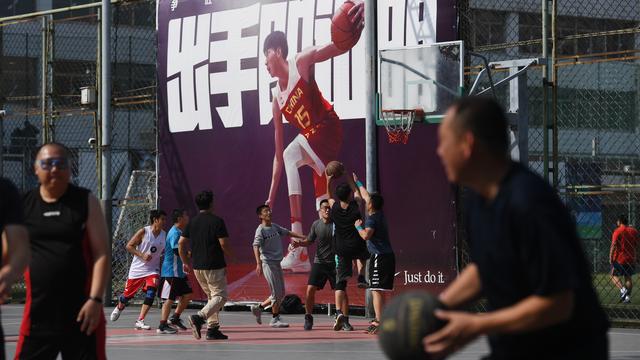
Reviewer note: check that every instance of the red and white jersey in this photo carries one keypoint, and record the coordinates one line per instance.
(153, 245)
(303, 105)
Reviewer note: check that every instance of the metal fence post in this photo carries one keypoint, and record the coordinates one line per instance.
(105, 140)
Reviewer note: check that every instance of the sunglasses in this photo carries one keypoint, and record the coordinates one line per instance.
(59, 163)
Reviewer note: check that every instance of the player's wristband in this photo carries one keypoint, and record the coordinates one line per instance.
(96, 299)
(359, 183)
(359, 228)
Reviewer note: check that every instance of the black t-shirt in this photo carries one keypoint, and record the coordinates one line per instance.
(322, 234)
(61, 261)
(10, 206)
(203, 231)
(348, 241)
(525, 243)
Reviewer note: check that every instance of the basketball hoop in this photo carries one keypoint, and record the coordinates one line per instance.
(399, 122)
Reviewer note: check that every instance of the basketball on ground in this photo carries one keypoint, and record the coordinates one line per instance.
(406, 320)
(344, 34)
(334, 168)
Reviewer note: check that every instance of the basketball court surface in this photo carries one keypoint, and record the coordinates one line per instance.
(247, 340)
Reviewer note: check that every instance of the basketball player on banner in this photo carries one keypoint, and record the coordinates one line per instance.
(298, 98)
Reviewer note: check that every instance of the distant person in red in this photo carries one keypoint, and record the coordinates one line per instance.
(622, 256)
(298, 99)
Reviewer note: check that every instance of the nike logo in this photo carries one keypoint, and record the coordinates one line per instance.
(396, 274)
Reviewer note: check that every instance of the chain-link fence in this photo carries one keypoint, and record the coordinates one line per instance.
(589, 101)
(597, 109)
(46, 63)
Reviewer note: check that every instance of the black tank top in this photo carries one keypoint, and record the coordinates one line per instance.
(58, 276)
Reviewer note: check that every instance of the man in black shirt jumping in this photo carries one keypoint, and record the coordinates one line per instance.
(526, 257)
(348, 244)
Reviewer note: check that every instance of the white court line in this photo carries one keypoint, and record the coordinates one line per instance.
(625, 333)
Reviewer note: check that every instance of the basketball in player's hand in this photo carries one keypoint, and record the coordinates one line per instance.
(344, 33)
(334, 169)
(406, 320)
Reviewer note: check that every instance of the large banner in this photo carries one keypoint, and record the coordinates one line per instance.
(256, 124)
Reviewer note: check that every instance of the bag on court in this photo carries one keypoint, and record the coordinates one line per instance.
(291, 304)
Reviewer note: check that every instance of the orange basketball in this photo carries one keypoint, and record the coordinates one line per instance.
(334, 169)
(344, 34)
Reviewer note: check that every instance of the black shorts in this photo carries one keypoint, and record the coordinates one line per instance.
(344, 267)
(618, 269)
(173, 287)
(320, 273)
(382, 270)
(72, 345)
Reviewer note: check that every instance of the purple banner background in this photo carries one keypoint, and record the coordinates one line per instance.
(236, 163)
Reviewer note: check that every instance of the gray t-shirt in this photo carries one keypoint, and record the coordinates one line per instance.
(269, 240)
(323, 234)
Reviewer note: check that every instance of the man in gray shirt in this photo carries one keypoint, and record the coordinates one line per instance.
(267, 248)
(324, 265)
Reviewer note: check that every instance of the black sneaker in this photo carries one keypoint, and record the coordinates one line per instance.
(346, 326)
(339, 322)
(362, 283)
(308, 322)
(372, 329)
(166, 329)
(177, 322)
(196, 321)
(215, 334)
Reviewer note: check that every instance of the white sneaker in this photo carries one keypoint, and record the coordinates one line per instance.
(627, 299)
(255, 310)
(140, 325)
(296, 260)
(623, 293)
(277, 323)
(115, 314)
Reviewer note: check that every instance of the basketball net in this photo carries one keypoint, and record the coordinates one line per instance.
(399, 122)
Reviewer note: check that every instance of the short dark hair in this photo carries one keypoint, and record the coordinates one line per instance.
(343, 191)
(156, 214)
(65, 150)
(276, 40)
(486, 120)
(204, 199)
(622, 219)
(259, 208)
(377, 201)
(176, 214)
(323, 201)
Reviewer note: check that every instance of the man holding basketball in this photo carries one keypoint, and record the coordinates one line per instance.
(527, 259)
(298, 98)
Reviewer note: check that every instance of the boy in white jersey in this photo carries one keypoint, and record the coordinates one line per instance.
(146, 246)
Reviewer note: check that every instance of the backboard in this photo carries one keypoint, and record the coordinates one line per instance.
(427, 77)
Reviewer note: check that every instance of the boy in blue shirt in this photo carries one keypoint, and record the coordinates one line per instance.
(174, 282)
(382, 262)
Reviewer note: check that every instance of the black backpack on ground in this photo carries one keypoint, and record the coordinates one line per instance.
(291, 304)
